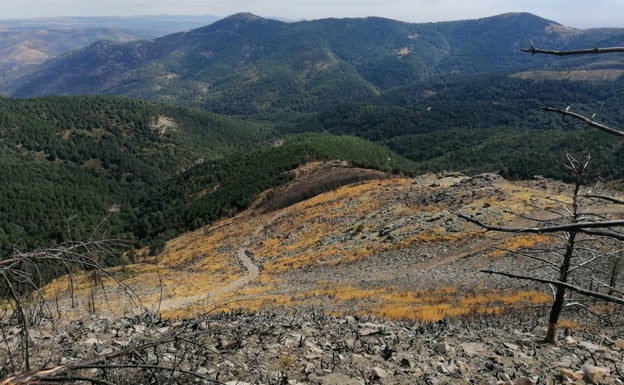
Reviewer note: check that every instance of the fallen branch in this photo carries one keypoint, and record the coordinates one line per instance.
(67, 373)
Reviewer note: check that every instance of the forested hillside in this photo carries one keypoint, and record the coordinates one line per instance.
(145, 170)
(485, 123)
(70, 162)
(399, 84)
(25, 43)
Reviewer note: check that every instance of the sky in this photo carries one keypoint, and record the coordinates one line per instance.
(572, 13)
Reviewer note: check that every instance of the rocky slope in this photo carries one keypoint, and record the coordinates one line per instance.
(376, 282)
(311, 348)
(389, 246)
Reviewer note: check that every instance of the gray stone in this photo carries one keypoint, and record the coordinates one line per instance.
(473, 348)
(525, 381)
(442, 348)
(448, 368)
(511, 346)
(334, 379)
(592, 347)
(593, 373)
(378, 373)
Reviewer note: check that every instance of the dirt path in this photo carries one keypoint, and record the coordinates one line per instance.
(242, 254)
(252, 273)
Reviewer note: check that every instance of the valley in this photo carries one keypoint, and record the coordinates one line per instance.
(255, 201)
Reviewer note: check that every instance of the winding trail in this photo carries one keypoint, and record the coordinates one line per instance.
(253, 271)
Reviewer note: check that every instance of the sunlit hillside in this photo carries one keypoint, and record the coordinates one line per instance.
(391, 246)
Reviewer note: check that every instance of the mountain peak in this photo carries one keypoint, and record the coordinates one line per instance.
(239, 20)
(522, 17)
(243, 16)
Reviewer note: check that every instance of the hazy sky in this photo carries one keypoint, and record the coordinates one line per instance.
(573, 13)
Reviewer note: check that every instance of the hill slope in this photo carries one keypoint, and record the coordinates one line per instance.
(25, 43)
(246, 64)
(88, 158)
(149, 171)
(383, 245)
(226, 186)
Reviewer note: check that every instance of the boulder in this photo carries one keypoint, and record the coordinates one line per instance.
(594, 374)
(473, 348)
(378, 373)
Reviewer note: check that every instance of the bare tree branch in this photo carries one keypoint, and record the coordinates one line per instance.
(606, 198)
(532, 50)
(575, 226)
(590, 122)
(575, 288)
(574, 223)
(608, 234)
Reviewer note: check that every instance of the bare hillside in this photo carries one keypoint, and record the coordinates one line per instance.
(343, 276)
(381, 245)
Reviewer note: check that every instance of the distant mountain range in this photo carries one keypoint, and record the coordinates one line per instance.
(245, 64)
(154, 25)
(27, 42)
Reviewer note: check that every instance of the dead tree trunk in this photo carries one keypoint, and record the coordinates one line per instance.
(558, 303)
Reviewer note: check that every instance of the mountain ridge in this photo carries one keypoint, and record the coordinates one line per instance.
(28, 42)
(247, 64)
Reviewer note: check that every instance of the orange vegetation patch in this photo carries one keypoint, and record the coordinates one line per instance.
(438, 235)
(569, 324)
(440, 308)
(215, 244)
(325, 230)
(426, 305)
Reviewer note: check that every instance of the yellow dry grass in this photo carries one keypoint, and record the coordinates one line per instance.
(518, 242)
(307, 235)
(426, 305)
(331, 229)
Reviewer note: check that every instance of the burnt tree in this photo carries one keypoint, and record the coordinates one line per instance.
(589, 259)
